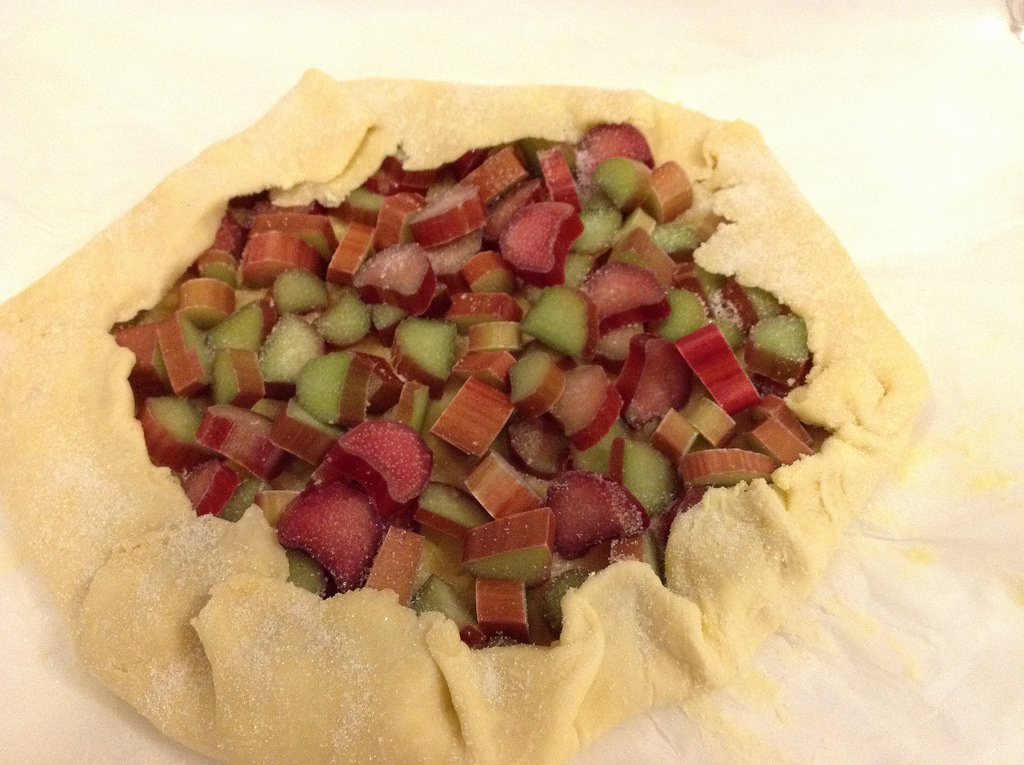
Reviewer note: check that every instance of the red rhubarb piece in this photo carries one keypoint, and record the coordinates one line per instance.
(737, 305)
(609, 140)
(487, 271)
(391, 178)
(270, 253)
(639, 247)
(169, 428)
(205, 301)
(538, 445)
(501, 210)
(517, 546)
(500, 171)
(141, 340)
(230, 236)
(490, 367)
(536, 241)
(713, 361)
(625, 293)
(447, 259)
(557, 176)
(209, 486)
(501, 610)
(589, 405)
(724, 467)
(395, 565)
(653, 380)
(671, 192)
(315, 230)
(184, 355)
(338, 526)
(452, 214)
(474, 417)
(298, 432)
(393, 219)
(387, 458)
(468, 308)
(590, 508)
(243, 437)
(774, 438)
(355, 246)
(500, 488)
(400, 276)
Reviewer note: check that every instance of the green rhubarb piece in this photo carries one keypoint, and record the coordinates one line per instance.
(687, 314)
(636, 219)
(346, 322)
(731, 331)
(529, 148)
(364, 200)
(305, 572)
(427, 344)
(195, 339)
(223, 380)
(626, 182)
(551, 604)
(558, 318)
(784, 336)
(242, 499)
(765, 303)
(319, 384)
(709, 280)
(290, 345)
(384, 315)
(675, 237)
(435, 594)
(577, 266)
(601, 222)
(297, 291)
(597, 458)
(649, 475)
(179, 416)
(528, 564)
(242, 329)
(454, 504)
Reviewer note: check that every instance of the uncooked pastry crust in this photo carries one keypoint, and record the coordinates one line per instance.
(191, 620)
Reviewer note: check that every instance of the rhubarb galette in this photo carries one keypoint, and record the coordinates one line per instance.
(435, 423)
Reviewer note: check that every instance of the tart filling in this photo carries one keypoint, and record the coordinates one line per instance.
(473, 385)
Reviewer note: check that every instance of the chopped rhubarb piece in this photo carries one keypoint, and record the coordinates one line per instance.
(209, 486)
(386, 387)
(589, 509)
(774, 407)
(501, 210)
(305, 572)
(391, 177)
(314, 230)
(499, 488)
(776, 348)
(424, 350)
(490, 367)
(435, 594)
(671, 192)
(724, 467)
(361, 206)
(447, 259)
(601, 223)
(536, 382)
(674, 435)
(565, 319)
(148, 375)
(624, 181)
(298, 432)
(269, 253)
(452, 214)
(536, 241)
(205, 301)
(230, 236)
(338, 526)
(645, 471)
(243, 437)
(733, 299)
(676, 238)
(468, 161)
(611, 140)
(335, 388)
(395, 565)
(687, 314)
(236, 377)
(468, 308)
(474, 417)
(246, 328)
(291, 344)
(298, 291)
(774, 438)
(517, 546)
(401, 276)
(169, 427)
(184, 355)
(355, 247)
(500, 171)
(346, 321)
(710, 420)
(708, 354)
(661, 524)
(388, 459)
(556, 589)
(393, 220)
(218, 264)
(449, 510)
(538, 444)
(557, 175)
(625, 293)
(639, 547)
(494, 336)
(589, 405)
(653, 380)
(501, 610)
(411, 406)
(487, 271)
(638, 247)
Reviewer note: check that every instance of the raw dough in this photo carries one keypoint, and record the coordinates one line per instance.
(191, 620)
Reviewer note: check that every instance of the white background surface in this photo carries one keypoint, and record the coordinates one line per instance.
(902, 122)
